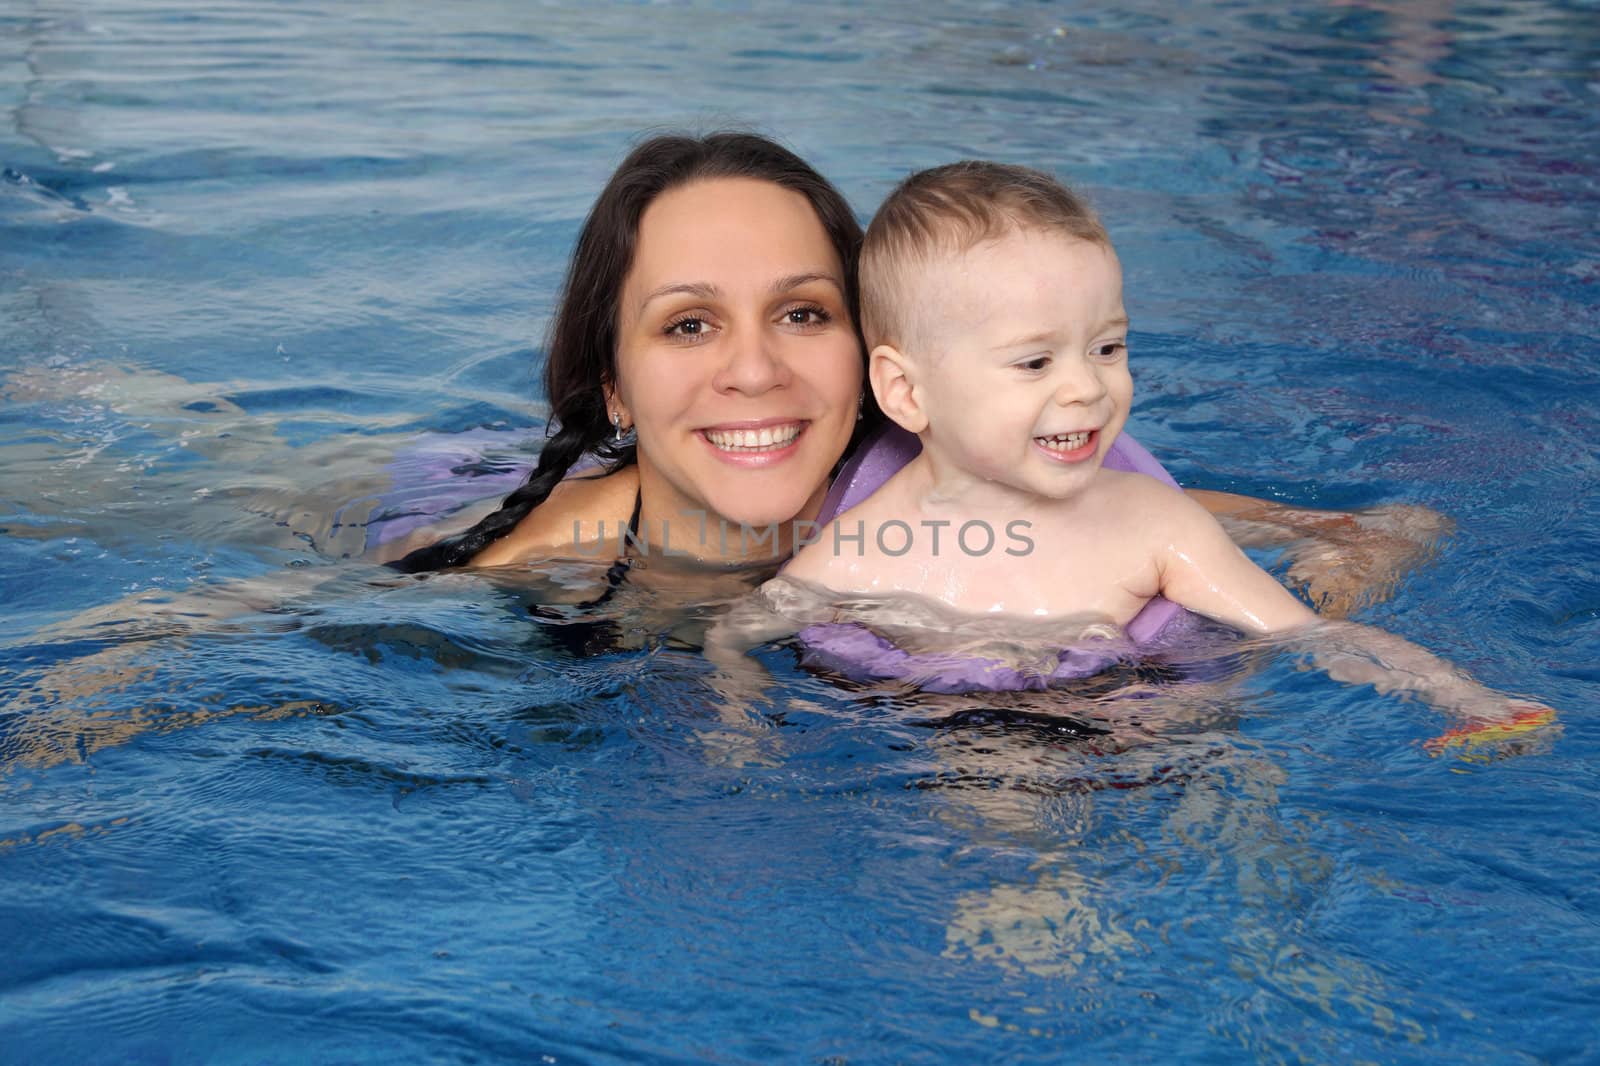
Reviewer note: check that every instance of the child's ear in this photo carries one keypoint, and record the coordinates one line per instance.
(893, 377)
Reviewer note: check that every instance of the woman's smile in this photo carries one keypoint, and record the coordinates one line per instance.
(765, 438)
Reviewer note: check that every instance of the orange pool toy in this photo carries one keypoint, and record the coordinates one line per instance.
(1471, 736)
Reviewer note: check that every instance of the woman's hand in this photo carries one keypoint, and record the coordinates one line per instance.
(1341, 560)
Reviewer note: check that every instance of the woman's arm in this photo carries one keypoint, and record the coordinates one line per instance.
(1341, 560)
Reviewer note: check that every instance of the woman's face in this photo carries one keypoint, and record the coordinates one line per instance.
(737, 362)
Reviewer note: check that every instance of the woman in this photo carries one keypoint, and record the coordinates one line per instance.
(705, 352)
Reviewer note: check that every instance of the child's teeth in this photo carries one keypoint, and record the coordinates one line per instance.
(1066, 441)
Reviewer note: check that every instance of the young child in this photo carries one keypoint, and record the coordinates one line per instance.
(992, 309)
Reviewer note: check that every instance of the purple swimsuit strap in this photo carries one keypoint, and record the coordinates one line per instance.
(885, 452)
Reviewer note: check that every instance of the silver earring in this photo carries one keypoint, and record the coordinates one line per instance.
(616, 424)
(861, 406)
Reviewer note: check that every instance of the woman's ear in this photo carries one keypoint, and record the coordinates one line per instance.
(616, 410)
(893, 377)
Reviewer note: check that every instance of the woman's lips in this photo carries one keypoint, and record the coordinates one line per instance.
(755, 444)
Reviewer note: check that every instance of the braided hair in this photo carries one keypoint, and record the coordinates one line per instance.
(582, 348)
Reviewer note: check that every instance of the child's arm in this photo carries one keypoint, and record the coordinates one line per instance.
(1204, 571)
(741, 682)
(1365, 655)
(778, 609)
(1200, 568)
(748, 624)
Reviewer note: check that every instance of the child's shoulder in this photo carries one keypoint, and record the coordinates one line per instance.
(1140, 493)
(810, 563)
(820, 556)
(1135, 508)
(868, 539)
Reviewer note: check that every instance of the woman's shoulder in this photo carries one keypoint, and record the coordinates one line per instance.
(579, 512)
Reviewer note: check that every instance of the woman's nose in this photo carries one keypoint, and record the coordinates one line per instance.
(752, 363)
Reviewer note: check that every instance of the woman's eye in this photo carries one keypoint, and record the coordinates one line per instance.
(806, 316)
(688, 326)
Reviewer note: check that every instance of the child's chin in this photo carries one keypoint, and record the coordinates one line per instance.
(1071, 483)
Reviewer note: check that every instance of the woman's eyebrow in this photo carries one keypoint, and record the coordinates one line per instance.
(794, 281)
(703, 289)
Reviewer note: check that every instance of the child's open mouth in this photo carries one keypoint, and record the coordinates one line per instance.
(1069, 447)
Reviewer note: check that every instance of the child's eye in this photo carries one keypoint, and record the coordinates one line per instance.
(1036, 364)
(1108, 350)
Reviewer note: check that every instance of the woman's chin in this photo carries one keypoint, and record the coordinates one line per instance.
(762, 517)
(759, 510)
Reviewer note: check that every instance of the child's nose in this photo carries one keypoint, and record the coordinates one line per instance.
(1079, 382)
(752, 363)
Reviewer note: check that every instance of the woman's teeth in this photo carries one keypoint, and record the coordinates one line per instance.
(766, 439)
(1065, 442)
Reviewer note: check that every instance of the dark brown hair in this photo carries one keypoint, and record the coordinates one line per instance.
(948, 210)
(582, 348)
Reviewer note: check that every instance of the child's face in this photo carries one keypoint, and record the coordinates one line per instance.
(1028, 383)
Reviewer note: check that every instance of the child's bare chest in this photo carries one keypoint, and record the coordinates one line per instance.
(1029, 575)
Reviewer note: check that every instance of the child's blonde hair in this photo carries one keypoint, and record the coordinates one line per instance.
(948, 210)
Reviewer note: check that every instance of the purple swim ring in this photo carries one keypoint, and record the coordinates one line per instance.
(437, 474)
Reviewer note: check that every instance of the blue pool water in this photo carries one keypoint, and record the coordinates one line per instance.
(263, 802)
